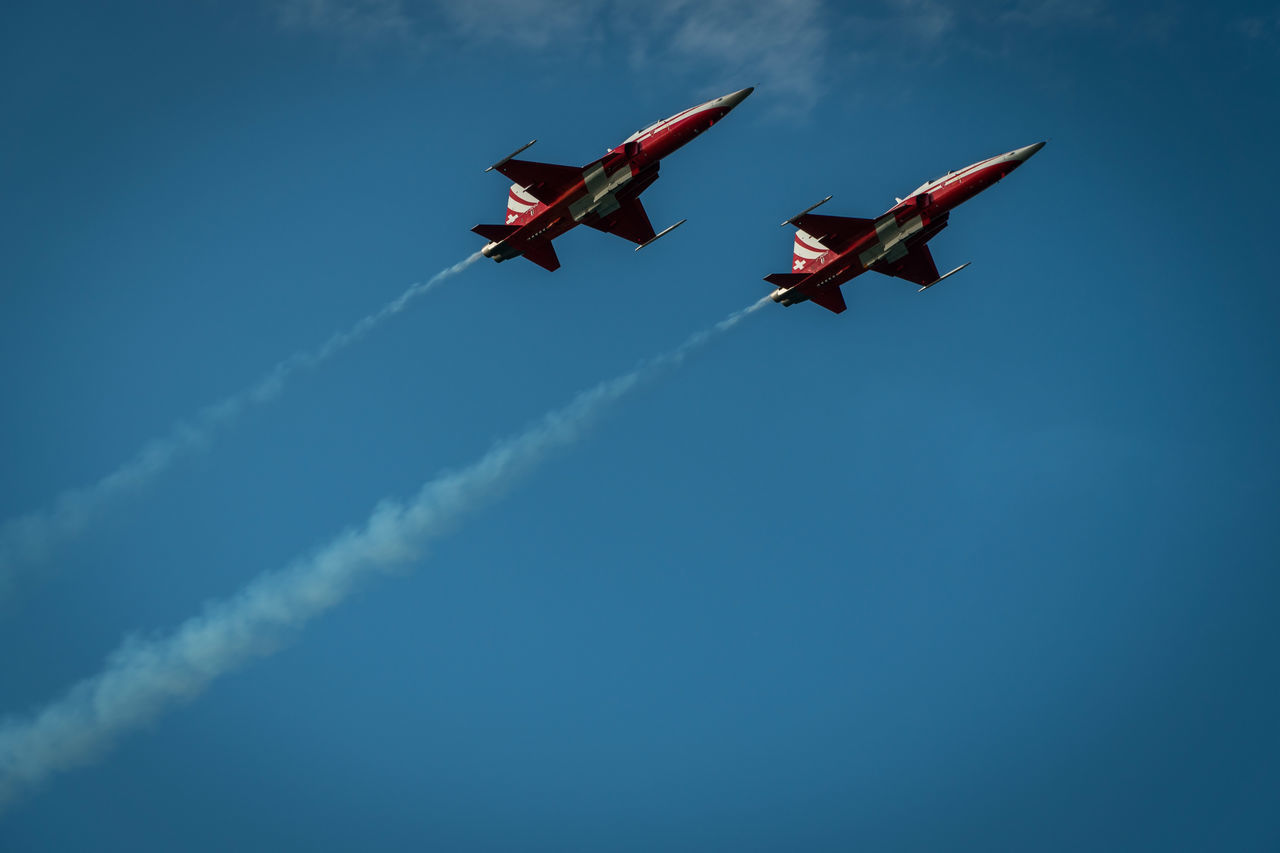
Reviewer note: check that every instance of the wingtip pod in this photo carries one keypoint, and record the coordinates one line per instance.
(941, 277)
(792, 220)
(666, 230)
(503, 161)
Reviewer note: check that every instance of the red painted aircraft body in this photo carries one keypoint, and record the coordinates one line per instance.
(547, 200)
(830, 250)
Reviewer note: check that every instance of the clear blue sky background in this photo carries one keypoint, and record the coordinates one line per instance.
(991, 567)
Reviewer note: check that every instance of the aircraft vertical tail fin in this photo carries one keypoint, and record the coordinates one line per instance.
(521, 206)
(808, 252)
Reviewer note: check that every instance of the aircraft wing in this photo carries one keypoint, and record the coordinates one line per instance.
(544, 181)
(835, 232)
(629, 222)
(916, 266)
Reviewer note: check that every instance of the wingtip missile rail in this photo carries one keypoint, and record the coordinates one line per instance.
(941, 278)
(504, 160)
(666, 230)
(793, 219)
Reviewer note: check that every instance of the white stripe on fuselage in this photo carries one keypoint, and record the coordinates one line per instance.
(645, 133)
(952, 177)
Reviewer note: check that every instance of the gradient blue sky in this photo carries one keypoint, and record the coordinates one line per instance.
(991, 567)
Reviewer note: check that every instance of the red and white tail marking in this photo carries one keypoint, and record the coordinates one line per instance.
(521, 207)
(808, 253)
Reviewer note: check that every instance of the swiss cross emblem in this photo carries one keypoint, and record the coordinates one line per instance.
(511, 217)
(799, 264)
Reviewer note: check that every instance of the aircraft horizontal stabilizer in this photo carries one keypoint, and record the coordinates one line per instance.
(496, 233)
(544, 255)
(786, 280)
(791, 290)
(828, 297)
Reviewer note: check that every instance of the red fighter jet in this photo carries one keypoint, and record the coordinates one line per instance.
(830, 250)
(547, 200)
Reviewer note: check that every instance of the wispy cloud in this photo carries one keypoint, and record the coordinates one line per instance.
(532, 25)
(362, 21)
(1054, 13)
(780, 46)
(28, 539)
(795, 51)
(1258, 28)
(921, 20)
(144, 677)
(904, 28)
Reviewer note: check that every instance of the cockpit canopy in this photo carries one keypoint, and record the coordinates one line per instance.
(641, 132)
(928, 185)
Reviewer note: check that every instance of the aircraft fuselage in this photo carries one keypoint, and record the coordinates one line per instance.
(890, 237)
(604, 185)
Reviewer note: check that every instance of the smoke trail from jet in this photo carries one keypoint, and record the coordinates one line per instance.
(143, 677)
(28, 538)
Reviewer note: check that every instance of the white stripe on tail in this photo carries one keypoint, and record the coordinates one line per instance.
(521, 207)
(808, 253)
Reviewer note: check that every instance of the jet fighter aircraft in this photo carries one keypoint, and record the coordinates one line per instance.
(830, 250)
(547, 200)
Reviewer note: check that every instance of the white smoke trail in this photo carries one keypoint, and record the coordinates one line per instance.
(145, 676)
(28, 538)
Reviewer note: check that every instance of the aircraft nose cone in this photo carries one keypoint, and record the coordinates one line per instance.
(1023, 154)
(731, 101)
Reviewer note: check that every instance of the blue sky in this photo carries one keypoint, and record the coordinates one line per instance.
(988, 567)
